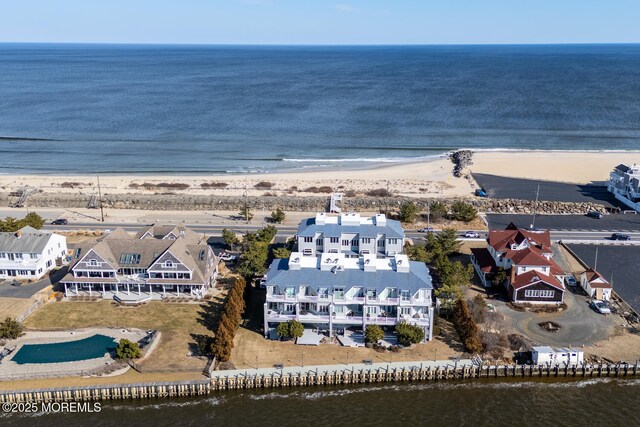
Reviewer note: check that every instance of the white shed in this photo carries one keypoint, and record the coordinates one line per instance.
(595, 285)
(544, 355)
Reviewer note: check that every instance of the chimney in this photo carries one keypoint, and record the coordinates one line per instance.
(19, 234)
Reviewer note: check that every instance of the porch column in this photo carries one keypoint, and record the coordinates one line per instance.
(65, 289)
(178, 288)
(164, 290)
(138, 289)
(117, 288)
(128, 289)
(330, 320)
(298, 311)
(76, 289)
(266, 324)
(103, 290)
(364, 317)
(90, 289)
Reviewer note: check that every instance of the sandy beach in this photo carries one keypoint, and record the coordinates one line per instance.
(432, 178)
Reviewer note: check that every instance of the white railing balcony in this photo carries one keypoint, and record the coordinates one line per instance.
(280, 316)
(356, 298)
(309, 317)
(382, 320)
(308, 298)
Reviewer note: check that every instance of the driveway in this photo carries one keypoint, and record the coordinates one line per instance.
(28, 290)
(579, 324)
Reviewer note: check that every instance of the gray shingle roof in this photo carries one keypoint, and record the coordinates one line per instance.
(31, 241)
(393, 229)
(418, 277)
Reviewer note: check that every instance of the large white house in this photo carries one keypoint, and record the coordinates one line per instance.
(624, 183)
(332, 292)
(160, 261)
(30, 254)
(351, 235)
(349, 271)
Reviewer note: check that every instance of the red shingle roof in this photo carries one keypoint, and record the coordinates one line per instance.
(532, 277)
(597, 280)
(484, 259)
(502, 240)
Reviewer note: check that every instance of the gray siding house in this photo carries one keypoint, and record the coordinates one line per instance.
(351, 235)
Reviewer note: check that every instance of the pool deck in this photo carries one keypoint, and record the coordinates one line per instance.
(10, 370)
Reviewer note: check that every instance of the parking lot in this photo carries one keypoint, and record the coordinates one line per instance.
(610, 223)
(500, 187)
(619, 264)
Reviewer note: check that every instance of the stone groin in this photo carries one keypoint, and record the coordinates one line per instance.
(288, 203)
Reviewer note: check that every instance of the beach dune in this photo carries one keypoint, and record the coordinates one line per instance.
(431, 178)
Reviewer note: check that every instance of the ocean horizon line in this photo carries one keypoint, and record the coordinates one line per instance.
(104, 43)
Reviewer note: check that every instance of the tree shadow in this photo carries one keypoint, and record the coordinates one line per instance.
(201, 344)
(449, 336)
(209, 315)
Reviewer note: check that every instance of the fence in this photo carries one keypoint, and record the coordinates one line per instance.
(600, 242)
(33, 307)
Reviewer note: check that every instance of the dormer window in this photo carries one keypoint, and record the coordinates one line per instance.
(168, 264)
(93, 262)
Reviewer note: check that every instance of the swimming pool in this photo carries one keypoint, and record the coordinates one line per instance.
(92, 347)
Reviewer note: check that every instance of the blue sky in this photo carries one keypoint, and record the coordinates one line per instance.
(320, 21)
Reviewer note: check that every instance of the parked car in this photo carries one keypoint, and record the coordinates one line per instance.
(600, 307)
(594, 214)
(620, 236)
(571, 281)
(227, 257)
(481, 193)
(426, 230)
(59, 221)
(471, 234)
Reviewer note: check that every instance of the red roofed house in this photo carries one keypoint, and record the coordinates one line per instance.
(595, 285)
(526, 256)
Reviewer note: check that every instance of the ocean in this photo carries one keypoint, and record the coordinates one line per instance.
(602, 402)
(74, 109)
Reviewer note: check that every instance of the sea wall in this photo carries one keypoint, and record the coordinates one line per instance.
(288, 203)
(315, 376)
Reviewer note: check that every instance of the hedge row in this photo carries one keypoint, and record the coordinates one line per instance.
(229, 322)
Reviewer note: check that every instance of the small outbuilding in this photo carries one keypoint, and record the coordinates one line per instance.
(545, 355)
(595, 285)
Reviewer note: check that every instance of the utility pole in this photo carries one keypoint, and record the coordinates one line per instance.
(100, 199)
(535, 207)
(246, 205)
(428, 213)
(595, 262)
(387, 200)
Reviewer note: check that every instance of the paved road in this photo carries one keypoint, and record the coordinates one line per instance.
(288, 231)
(579, 324)
(609, 223)
(618, 264)
(500, 187)
(28, 290)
